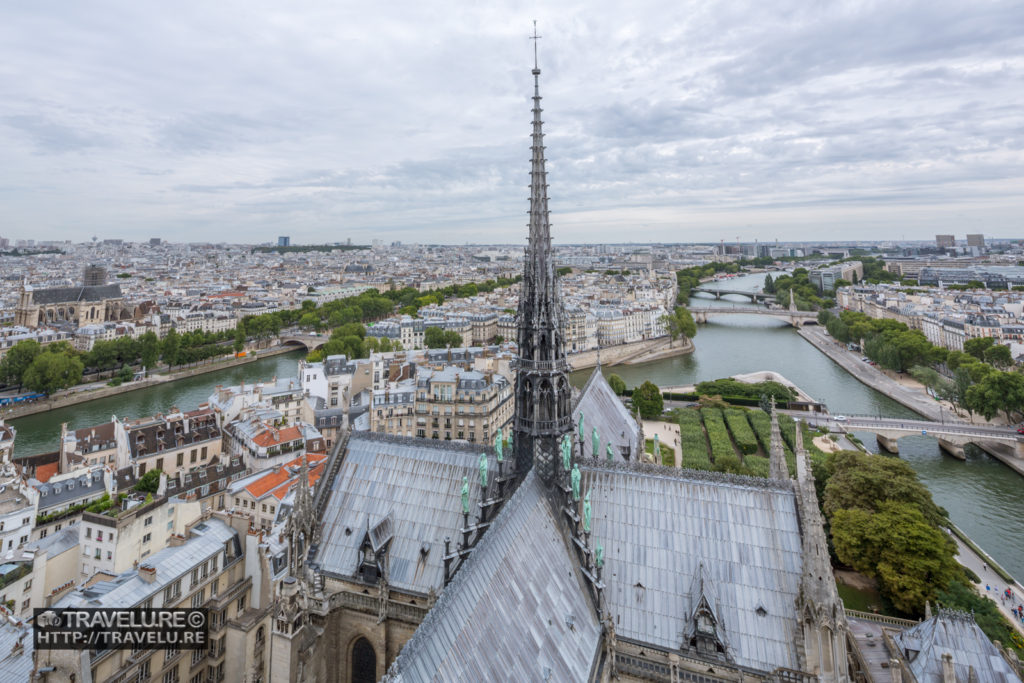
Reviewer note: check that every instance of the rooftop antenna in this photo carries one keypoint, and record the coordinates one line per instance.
(535, 38)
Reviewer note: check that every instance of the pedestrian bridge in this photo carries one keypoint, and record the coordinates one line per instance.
(794, 318)
(952, 435)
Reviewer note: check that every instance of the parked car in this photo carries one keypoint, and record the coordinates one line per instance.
(839, 418)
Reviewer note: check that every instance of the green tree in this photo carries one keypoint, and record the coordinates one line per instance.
(308, 306)
(977, 346)
(437, 338)
(126, 373)
(50, 372)
(239, 343)
(498, 339)
(310, 320)
(617, 384)
(170, 347)
(911, 559)
(998, 355)
(687, 326)
(149, 350)
(997, 391)
(865, 480)
(769, 284)
(149, 482)
(17, 361)
(648, 400)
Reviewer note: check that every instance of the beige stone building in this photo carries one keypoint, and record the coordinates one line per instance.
(448, 403)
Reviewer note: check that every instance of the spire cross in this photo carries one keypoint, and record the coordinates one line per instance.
(535, 38)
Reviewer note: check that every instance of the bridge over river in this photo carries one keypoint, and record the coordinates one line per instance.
(952, 435)
(755, 296)
(794, 318)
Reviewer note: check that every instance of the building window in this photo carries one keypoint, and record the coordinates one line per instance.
(181, 459)
(148, 522)
(88, 531)
(147, 538)
(192, 456)
(199, 597)
(202, 453)
(240, 605)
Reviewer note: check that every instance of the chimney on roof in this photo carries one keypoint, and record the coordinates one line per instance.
(147, 573)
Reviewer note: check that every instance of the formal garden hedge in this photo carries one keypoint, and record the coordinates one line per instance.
(718, 436)
(692, 440)
(742, 434)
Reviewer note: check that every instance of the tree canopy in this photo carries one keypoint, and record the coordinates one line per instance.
(648, 400)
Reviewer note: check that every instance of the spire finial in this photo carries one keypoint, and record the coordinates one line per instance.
(535, 38)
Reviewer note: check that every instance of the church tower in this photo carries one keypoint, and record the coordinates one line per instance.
(543, 411)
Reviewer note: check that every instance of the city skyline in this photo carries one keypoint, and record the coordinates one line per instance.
(683, 123)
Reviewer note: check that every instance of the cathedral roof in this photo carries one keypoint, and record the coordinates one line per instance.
(516, 611)
(59, 295)
(418, 482)
(602, 408)
(662, 527)
(974, 656)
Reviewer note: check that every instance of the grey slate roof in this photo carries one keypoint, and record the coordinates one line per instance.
(16, 647)
(658, 525)
(602, 408)
(56, 295)
(506, 616)
(62, 493)
(129, 589)
(419, 483)
(958, 634)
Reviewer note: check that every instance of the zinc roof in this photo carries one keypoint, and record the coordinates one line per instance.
(516, 611)
(418, 482)
(603, 409)
(659, 526)
(958, 634)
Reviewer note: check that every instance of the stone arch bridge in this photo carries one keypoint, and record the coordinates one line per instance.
(795, 318)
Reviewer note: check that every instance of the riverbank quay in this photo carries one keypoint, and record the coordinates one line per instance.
(920, 402)
(990, 585)
(631, 353)
(77, 395)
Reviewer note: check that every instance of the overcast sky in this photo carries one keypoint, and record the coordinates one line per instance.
(410, 120)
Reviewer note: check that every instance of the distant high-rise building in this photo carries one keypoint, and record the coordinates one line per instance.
(94, 276)
(943, 241)
(154, 241)
(4, 242)
(284, 241)
(976, 241)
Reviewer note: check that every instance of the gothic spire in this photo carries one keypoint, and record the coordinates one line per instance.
(776, 453)
(542, 384)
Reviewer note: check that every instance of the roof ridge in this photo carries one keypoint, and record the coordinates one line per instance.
(653, 470)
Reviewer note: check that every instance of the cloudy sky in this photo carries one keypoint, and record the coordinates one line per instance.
(409, 120)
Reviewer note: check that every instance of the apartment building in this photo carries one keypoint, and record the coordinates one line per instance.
(453, 403)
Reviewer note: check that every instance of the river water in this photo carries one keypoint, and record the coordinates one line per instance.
(982, 495)
(40, 433)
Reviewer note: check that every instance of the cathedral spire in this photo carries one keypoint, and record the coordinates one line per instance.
(542, 383)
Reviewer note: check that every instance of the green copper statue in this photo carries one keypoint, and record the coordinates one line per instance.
(465, 495)
(599, 555)
(498, 445)
(566, 452)
(608, 452)
(510, 433)
(595, 439)
(586, 512)
(575, 478)
(483, 470)
(581, 426)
